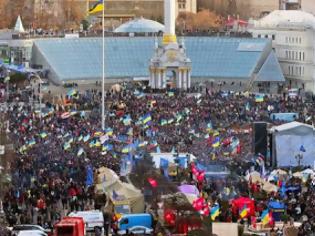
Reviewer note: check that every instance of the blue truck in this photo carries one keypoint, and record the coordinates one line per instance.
(135, 224)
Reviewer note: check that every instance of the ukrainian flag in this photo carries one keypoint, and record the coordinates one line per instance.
(80, 152)
(66, 146)
(71, 92)
(142, 144)
(127, 120)
(215, 211)
(43, 134)
(179, 117)
(98, 7)
(259, 98)
(265, 217)
(109, 132)
(244, 211)
(22, 149)
(209, 126)
(98, 134)
(126, 149)
(130, 131)
(86, 138)
(107, 147)
(163, 122)
(170, 121)
(171, 94)
(216, 142)
(80, 138)
(32, 142)
(147, 118)
(94, 143)
(98, 143)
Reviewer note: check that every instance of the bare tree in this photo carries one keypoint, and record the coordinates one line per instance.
(203, 20)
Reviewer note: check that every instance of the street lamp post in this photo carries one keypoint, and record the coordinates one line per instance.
(103, 68)
(299, 158)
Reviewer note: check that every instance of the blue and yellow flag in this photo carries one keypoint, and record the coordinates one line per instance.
(163, 122)
(265, 217)
(143, 144)
(259, 98)
(215, 211)
(31, 142)
(86, 138)
(97, 7)
(146, 118)
(80, 138)
(244, 211)
(216, 142)
(109, 132)
(72, 92)
(43, 134)
(66, 146)
(126, 149)
(80, 151)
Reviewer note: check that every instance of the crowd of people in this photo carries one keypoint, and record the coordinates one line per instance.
(55, 146)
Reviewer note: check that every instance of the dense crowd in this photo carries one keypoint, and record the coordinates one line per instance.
(54, 149)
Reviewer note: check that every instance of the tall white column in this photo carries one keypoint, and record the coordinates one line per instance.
(180, 79)
(156, 79)
(150, 79)
(160, 80)
(185, 80)
(188, 79)
(169, 16)
(164, 79)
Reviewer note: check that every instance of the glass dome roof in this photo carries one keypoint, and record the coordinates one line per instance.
(140, 25)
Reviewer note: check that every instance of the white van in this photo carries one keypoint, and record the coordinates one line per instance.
(92, 219)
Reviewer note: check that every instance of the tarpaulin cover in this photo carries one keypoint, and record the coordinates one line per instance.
(188, 189)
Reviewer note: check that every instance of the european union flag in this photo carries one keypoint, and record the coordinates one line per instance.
(302, 149)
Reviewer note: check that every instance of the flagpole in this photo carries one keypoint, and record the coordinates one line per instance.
(103, 68)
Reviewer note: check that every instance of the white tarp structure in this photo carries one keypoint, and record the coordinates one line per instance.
(19, 26)
(288, 140)
(117, 191)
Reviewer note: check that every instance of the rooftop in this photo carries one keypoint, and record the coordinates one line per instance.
(128, 57)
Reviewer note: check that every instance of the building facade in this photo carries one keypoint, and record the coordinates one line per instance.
(255, 8)
(244, 8)
(293, 39)
(150, 9)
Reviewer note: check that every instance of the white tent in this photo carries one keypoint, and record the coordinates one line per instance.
(293, 144)
(19, 26)
(117, 191)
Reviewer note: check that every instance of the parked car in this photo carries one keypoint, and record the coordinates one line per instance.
(19, 228)
(31, 233)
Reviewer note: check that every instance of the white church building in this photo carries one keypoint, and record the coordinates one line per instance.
(293, 39)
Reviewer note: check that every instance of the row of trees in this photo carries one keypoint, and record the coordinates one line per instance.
(63, 14)
(68, 14)
(203, 20)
